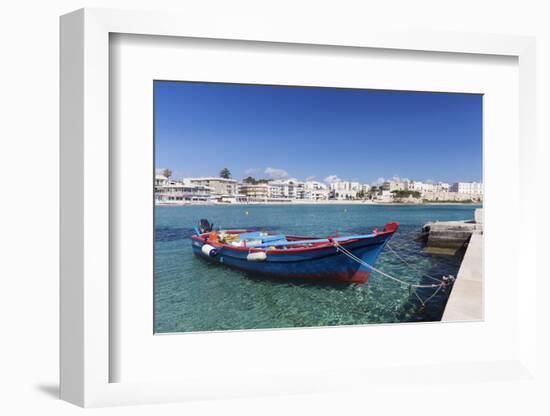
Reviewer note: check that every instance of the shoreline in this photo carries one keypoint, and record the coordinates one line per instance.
(210, 204)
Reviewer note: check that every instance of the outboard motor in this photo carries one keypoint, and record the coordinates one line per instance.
(205, 226)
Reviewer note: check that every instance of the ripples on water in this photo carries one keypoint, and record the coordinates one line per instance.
(194, 295)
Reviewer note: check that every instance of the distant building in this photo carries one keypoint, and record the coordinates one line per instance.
(345, 189)
(426, 187)
(315, 191)
(286, 189)
(442, 187)
(177, 192)
(160, 180)
(255, 192)
(219, 186)
(470, 188)
(382, 195)
(215, 189)
(414, 186)
(393, 186)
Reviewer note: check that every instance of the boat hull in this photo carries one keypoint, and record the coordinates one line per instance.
(320, 263)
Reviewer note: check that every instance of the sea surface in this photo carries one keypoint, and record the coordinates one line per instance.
(194, 295)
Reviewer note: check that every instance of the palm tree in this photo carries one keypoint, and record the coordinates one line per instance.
(167, 173)
(225, 173)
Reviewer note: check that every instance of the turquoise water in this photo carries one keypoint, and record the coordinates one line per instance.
(194, 295)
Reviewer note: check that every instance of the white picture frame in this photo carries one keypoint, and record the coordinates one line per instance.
(86, 356)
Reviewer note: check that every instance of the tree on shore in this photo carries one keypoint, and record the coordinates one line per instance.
(405, 194)
(167, 173)
(225, 173)
(253, 181)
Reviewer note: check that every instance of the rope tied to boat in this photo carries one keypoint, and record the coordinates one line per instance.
(396, 254)
(443, 283)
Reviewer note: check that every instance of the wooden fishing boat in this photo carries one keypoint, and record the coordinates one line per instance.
(289, 256)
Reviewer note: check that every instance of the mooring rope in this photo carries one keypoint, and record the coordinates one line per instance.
(412, 286)
(364, 263)
(412, 266)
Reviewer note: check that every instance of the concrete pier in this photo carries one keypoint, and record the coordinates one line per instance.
(448, 237)
(466, 299)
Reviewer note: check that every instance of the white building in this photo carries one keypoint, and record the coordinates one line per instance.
(393, 186)
(470, 188)
(254, 192)
(442, 187)
(345, 189)
(177, 192)
(161, 180)
(286, 189)
(219, 186)
(383, 195)
(315, 191)
(414, 186)
(426, 187)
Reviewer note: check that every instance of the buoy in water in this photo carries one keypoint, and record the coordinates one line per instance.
(246, 212)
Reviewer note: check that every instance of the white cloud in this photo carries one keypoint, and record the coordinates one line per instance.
(310, 178)
(396, 178)
(274, 173)
(332, 179)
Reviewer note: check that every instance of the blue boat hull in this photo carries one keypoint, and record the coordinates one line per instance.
(320, 263)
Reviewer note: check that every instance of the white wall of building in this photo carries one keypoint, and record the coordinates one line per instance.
(345, 189)
(472, 188)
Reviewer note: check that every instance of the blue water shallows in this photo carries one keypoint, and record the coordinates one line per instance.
(194, 295)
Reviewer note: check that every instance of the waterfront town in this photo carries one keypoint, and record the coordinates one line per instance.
(225, 190)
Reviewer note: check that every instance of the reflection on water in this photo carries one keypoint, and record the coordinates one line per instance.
(194, 295)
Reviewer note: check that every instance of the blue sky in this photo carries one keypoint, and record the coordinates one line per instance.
(352, 134)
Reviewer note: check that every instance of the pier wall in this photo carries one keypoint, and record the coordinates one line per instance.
(448, 237)
(466, 299)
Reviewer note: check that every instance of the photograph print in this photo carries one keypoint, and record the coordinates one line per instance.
(290, 207)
